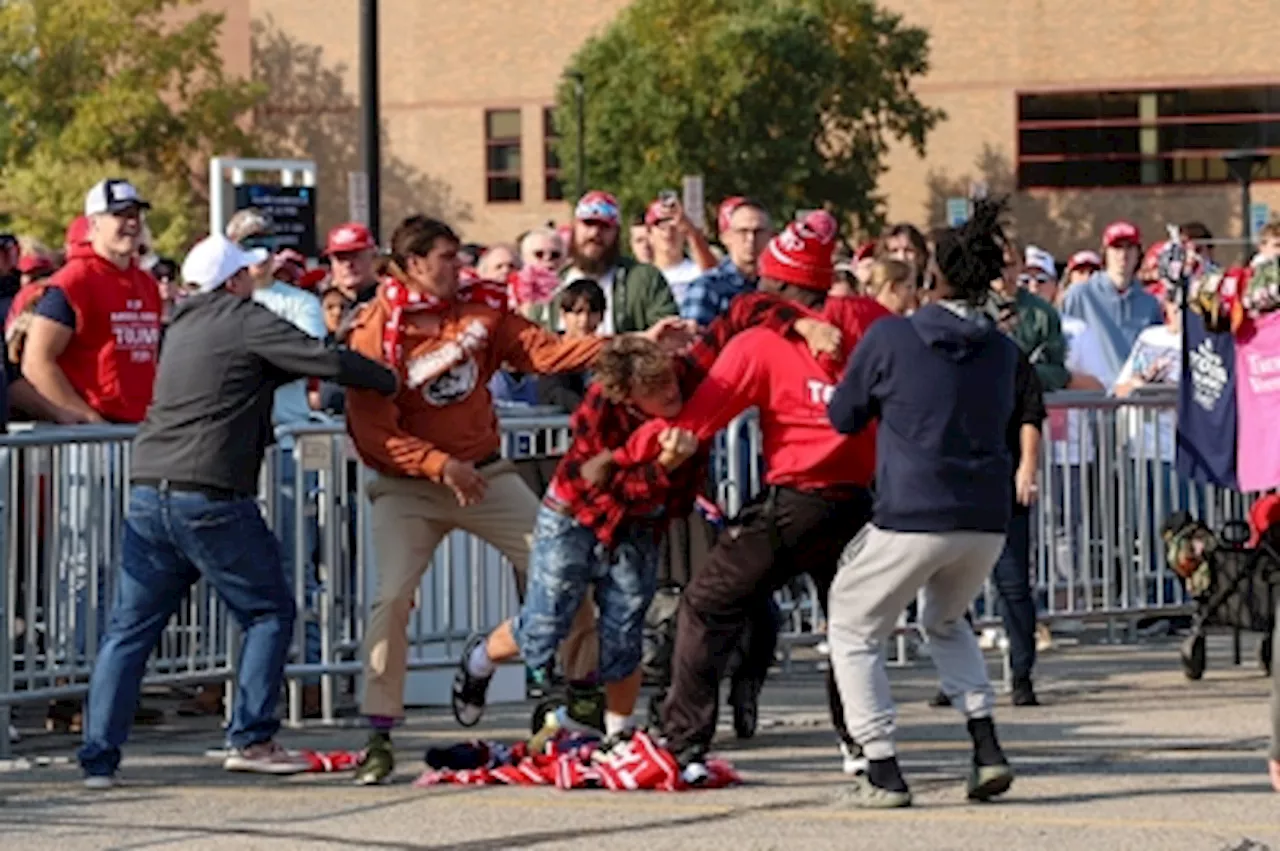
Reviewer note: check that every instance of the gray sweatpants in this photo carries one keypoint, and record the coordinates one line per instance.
(879, 574)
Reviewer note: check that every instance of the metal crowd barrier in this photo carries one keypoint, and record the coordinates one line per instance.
(1106, 485)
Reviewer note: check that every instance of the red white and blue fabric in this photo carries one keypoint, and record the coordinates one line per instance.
(472, 289)
(597, 206)
(572, 762)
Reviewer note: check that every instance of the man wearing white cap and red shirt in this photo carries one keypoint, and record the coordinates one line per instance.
(352, 250)
(636, 294)
(1112, 302)
(193, 510)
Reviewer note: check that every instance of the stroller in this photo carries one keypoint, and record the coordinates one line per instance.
(1232, 578)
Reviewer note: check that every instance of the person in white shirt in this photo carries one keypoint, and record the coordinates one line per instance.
(669, 233)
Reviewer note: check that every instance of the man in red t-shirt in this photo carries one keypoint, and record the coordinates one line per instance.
(91, 347)
(817, 486)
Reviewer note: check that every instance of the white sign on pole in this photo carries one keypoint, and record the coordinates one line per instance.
(957, 212)
(695, 203)
(1259, 215)
(358, 197)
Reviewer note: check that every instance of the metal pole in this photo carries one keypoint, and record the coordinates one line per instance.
(369, 121)
(1246, 221)
(579, 100)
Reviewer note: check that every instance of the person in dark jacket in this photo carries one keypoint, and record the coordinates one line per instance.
(941, 385)
(192, 507)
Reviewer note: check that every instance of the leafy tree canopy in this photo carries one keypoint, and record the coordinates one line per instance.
(126, 88)
(793, 102)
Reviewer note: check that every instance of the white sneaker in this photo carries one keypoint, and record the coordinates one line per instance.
(100, 782)
(695, 774)
(990, 639)
(1044, 638)
(14, 735)
(854, 763)
(266, 758)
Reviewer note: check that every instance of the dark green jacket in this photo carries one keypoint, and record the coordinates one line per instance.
(1038, 332)
(641, 296)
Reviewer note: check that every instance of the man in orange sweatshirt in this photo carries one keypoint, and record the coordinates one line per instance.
(436, 447)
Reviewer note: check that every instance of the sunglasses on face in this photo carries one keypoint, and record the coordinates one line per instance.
(551, 254)
(1033, 280)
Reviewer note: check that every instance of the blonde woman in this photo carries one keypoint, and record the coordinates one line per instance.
(892, 283)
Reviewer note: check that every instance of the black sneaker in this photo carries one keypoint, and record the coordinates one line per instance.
(693, 765)
(940, 700)
(744, 697)
(469, 693)
(1024, 694)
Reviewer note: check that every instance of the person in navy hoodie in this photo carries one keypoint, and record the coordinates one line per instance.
(941, 385)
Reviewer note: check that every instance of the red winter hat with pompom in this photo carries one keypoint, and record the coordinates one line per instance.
(801, 254)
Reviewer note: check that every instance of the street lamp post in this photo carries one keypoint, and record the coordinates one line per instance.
(1243, 166)
(579, 105)
(369, 120)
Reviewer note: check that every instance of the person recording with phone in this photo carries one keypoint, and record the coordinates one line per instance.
(670, 233)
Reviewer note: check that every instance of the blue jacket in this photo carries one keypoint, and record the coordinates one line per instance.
(942, 386)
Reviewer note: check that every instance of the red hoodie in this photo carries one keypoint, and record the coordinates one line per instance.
(780, 376)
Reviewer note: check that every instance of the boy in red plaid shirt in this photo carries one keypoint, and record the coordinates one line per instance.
(608, 534)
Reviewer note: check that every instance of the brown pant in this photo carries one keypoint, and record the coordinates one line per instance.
(410, 518)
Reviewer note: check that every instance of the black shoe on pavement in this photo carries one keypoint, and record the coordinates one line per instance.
(744, 697)
(693, 765)
(1024, 694)
(470, 693)
(940, 700)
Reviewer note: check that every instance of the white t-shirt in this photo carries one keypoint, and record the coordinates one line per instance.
(606, 283)
(680, 276)
(1158, 352)
(1070, 438)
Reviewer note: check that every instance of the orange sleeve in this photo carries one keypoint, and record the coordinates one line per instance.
(529, 347)
(373, 420)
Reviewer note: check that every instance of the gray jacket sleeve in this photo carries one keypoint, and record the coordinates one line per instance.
(299, 355)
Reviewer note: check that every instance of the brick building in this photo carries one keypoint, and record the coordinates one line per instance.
(1087, 114)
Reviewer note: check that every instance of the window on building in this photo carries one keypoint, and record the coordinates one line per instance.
(1144, 138)
(554, 190)
(502, 155)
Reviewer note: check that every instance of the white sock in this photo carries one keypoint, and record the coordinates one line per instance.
(479, 664)
(617, 723)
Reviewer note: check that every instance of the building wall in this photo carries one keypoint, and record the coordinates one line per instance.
(442, 67)
(984, 52)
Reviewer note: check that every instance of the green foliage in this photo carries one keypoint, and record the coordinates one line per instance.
(793, 102)
(128, 88)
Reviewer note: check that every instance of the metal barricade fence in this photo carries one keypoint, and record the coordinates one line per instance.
(1107, 483)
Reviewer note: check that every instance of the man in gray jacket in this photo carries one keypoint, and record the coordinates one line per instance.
(193, 511)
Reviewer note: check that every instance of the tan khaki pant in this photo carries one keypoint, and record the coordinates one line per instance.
(410, 519)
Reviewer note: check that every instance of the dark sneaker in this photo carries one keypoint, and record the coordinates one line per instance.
(379, 762)
(864, 794)
(265, 758)
(616, 746)
(584, 706)
(940, 701)
(988, 781)
(1024, 694)
(744, 697)
(469, 693)
(693, 765)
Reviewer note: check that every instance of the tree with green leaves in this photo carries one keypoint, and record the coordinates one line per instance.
(793, 102)
(126, 88)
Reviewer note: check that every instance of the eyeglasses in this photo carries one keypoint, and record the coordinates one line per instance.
(547, 255)
(1028, 280)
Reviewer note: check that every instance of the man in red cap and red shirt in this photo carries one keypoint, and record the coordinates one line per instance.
(817, 485)
(636, 295)
(1112, 303)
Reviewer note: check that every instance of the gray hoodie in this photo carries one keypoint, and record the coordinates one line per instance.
(1115, 316)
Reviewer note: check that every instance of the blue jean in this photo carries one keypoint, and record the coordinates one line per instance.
(566, 558)
(286, 511)
(1012, 577)
(171, 539)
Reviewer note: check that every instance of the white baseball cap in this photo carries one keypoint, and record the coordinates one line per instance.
(1038, 258)
(214, 259)
(112, 196)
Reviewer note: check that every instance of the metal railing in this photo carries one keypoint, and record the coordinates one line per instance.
(1106, 477)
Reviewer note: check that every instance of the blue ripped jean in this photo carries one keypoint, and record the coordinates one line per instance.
(565, 560)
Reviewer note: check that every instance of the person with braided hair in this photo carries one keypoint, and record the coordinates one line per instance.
(941, 384)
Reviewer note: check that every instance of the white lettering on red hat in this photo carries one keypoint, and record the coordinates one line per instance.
(345, 236)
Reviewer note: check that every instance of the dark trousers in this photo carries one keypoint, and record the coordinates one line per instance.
(780, 535)
(1012, 576)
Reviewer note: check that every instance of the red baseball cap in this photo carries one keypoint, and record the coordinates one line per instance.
(656, 212)
(866, 250)
(77, 232)
(597, 206)
(311, 278)
(1121, 233)
(1084, 260)
(32, 263)
(351, 236)
(728, 207)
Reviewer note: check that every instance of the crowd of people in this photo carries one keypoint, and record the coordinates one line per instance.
(865, 362)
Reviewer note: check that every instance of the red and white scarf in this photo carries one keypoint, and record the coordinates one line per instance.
(472, 289)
